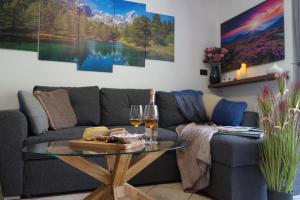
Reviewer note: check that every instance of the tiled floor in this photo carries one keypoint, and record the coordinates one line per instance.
(171, 191)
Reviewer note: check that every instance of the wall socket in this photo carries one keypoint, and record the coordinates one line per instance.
(203, 72)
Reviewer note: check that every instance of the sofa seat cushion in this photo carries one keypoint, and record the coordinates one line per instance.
(59, 135)
(235, 151)
(115, 104)
(52, 136)
(85, 102)
(76, 133)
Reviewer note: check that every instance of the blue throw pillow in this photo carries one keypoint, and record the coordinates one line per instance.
(229, 113)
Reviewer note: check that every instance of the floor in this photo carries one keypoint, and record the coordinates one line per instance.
(172, 191)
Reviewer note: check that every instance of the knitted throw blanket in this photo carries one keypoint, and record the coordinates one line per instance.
(194, 161)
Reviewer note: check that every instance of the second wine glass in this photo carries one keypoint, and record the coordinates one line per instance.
(151, 121)
(136, 116)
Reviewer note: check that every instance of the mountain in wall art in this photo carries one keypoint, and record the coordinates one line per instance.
(95, 34)
(129, 31)
(256, 36)
(96, 52)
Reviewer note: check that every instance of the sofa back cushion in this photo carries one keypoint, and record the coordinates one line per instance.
(115, 104)
(85, 102)
(169, 114)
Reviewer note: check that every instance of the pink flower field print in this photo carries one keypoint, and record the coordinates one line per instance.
(256, 36)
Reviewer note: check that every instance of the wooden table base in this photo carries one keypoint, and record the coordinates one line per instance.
(120, 171)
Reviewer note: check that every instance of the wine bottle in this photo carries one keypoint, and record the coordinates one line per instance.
(152, 97)
(152, 122)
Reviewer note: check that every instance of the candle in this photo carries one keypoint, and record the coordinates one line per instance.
(243, 70)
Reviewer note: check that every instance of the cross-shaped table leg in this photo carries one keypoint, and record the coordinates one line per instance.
(120, 171)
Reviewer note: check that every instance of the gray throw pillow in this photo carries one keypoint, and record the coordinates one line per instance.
(31, 107)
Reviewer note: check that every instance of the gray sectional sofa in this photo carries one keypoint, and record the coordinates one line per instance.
(234, 176)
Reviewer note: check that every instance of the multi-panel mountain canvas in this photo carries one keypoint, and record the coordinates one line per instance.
(58, 34)
(256, 36)
(130, 38)
(160, 37)
(96, 35)
(19, 24)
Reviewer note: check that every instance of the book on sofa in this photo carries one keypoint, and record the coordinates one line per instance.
(241, 131)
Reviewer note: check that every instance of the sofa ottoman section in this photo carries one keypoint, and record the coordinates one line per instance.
(236, 183)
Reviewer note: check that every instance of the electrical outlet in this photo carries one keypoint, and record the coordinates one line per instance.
(203, 72)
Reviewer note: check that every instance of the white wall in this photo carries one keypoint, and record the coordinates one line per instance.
(196, 28)
(231, 8)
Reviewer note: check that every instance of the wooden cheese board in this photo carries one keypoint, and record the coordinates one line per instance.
(105, 145)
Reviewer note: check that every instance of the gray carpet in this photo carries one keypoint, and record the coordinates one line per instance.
(172, 191)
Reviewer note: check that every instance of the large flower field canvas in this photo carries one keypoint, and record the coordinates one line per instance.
(256, 36)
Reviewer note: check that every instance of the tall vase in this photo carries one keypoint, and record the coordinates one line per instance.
(272, 195)
(215, 76)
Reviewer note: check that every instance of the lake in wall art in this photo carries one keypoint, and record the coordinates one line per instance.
(19, 24)
(129, 32)
(58, 35)
(96, 35)
(160, 37)
(256, 36)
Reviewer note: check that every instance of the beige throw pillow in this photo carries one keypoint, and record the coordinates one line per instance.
(210, 101)
(58, 108)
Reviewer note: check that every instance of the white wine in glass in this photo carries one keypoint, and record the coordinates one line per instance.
(136, 116)
(151, 121)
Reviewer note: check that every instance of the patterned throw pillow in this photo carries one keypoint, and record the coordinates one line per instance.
(58, 108)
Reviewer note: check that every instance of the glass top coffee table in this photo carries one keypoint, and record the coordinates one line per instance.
(119, 170)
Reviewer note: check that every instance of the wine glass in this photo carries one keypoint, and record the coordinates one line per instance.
(151, 121)
(136, 116)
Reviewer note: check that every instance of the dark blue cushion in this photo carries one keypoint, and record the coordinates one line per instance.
(229, 113)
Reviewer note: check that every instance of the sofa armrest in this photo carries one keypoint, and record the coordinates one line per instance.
(250, 119)
(13, 131)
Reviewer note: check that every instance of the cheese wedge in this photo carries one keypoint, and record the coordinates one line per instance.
(94, 132)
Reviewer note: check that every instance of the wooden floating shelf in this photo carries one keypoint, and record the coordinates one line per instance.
(268, 77)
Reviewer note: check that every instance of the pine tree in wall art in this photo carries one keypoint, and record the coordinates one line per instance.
(19, 24)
